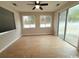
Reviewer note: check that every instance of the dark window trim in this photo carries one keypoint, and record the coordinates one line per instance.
(65, 24)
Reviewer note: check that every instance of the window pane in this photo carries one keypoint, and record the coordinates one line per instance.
(28, 21)
(45, 21)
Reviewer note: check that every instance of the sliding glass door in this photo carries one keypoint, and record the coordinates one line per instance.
(69, 25)
(72, 32)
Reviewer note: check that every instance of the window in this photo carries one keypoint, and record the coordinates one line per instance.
(45, 21)
(28, 22)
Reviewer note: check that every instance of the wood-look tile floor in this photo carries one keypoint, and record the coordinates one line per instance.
(40, 47)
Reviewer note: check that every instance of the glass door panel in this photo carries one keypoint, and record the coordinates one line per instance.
(72, 32)
(62, 21)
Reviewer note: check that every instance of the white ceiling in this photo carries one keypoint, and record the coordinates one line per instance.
(23, 7)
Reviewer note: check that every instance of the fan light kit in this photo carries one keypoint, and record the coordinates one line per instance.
(37, 6)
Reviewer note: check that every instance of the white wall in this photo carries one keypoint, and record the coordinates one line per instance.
(10, 36)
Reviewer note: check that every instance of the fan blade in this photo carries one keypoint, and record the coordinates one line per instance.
(41, 8)
(44, 4)
(33, 8)
(35, 3)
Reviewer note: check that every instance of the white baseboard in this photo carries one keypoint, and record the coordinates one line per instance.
(9, 45)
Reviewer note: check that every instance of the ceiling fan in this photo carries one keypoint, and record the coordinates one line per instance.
(38, 5)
